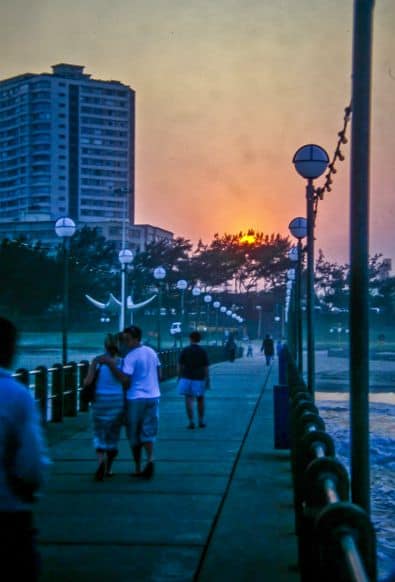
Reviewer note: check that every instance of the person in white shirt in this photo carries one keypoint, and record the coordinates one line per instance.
(141, 374)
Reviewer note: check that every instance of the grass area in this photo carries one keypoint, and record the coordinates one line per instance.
(77, 340)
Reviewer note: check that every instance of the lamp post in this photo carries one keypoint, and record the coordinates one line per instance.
(298, 229)
(125, 257)
(65, 228)
(196, 293)
(229, 314)
(310, 162)
(216, 306)
(208, 299)
(359, 252)
(181, 286)
(259, 330)
(223, 311)
(159, 275)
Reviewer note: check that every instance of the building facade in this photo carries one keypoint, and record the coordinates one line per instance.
(66, 147)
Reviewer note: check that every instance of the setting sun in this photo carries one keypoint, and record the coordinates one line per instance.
(248, 239)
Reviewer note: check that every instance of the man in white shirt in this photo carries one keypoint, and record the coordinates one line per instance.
(140, 375)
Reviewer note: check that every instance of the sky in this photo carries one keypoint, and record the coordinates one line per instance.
(226, 92)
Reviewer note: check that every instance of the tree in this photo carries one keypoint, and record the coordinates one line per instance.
(172, 255)
(331, 283)
(93, 267)
(29, 277)
(261, 260)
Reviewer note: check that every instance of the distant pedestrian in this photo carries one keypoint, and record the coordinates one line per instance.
(268, 349)
(193, 372)
(230, 348)
(108, 407)
(249, 349)
(140, 373)
(22, 467)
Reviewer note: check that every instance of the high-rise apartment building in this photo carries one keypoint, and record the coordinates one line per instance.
(66, 147)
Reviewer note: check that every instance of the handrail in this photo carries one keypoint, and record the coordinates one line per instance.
(57, 388)
(336, 539)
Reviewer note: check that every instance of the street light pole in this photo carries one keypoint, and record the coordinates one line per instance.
(259, 330)
(216, 306)
(359, 252)
(310, 162)
(65, 228)
(196, 293)
(125, 257)
(159, 275)
(310, 286)
(298, 229)
(223, 311)
(181, 286)
(207, 300)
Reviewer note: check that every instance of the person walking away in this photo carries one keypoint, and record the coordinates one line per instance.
(249, 349)
(193, 373)
(268, 349)
(141, 374)
(23, 462)
(108, 408)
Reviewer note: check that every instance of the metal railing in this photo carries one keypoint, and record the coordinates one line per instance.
(57, 389)
(336, 539)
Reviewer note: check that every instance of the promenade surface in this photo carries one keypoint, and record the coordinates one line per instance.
(219, 507)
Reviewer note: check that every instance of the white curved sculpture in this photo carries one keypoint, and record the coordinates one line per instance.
(113, 304)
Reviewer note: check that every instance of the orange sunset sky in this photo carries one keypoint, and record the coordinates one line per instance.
(226, 91)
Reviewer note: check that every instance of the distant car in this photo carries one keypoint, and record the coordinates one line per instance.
(175, 328)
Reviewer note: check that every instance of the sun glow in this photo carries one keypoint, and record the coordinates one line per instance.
(247, 239)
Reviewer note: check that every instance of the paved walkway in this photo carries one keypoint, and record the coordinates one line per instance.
(218, 509)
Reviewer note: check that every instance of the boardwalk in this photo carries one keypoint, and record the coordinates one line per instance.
(219, 506)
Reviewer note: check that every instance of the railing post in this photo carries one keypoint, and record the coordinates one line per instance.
(41, 391)
(57, 393)
(70, 389)
(83, 370)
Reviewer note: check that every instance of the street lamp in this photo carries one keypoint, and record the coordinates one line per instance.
(259, 330)
(65, 228)
(207, 299)
(181, 286)
(216, 306)
(298, 229)
(223, 311)
(310, 162)
(196, 293)
(125, 257)
(159, 275)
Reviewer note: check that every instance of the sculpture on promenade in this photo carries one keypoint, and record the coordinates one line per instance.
(113, 305)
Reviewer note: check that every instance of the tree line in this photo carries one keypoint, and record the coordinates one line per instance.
(251, 272)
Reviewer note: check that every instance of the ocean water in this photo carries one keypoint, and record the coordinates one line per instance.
(334, 409)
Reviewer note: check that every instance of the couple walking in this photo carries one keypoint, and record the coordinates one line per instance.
(128, 388)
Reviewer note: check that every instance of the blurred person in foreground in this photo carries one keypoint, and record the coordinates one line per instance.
(194, 379)
(140, 374)
(23, 459)
(107, 407)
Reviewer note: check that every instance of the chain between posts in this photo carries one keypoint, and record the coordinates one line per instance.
(337, 155)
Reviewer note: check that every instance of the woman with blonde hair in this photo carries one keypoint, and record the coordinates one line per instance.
(107, 408)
